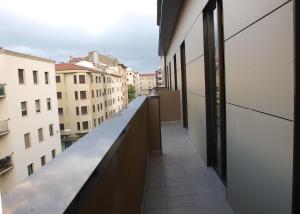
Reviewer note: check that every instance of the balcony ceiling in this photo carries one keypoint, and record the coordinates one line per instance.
(168, 12)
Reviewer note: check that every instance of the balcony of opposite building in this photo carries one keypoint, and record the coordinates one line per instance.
(2, 91)
(129, 164)
(6, 164)
(4, 127)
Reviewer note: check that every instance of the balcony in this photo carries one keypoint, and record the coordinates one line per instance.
(2, 91)
(4, 127)
(129, 164)
(65, 132)
(5, 164)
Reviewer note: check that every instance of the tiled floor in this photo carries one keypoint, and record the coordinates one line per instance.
(179, 183)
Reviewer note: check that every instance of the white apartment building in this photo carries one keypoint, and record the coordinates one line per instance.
(86, 98)
(29, 132)
(148, 81)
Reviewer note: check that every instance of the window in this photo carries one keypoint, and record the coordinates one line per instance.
(101, 106)
(40, 134)
(215, 86)
(43, 160)
(75, 79)
(58, 94)
(84, 110)
(78, 126)
(81, 79)
(83, 95)
(51, 129)
(183, 85)
(30, 169)
(21, 76)
(93, 108)
(98, 106)
(60, 111)
(85, 125)
(24, 108)
(48, 103)
(46, 77)
(175, 72)
(96, 79)
(53, 153)
(35, 77)
(57, 79)
(77, 110)
(37, 106)
(99, 121)
(95, 123)
(97, 92)
(103, 79)
(105, 103)
(61, 126)
(27, 140)
(76, 95)
(92, 93)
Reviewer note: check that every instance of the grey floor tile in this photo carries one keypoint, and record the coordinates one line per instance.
(178, 190)
(178, 182)
(173, 181)
(156, 203)
(180, 201)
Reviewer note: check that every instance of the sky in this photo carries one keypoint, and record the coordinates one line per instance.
(58, 29)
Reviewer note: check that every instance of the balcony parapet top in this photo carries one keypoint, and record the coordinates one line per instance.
(52, 188)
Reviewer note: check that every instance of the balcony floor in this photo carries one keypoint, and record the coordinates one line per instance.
(179, 182)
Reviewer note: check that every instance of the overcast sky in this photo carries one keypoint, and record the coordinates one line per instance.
(57, 29)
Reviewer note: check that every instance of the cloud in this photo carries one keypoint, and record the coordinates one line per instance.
(132, 38)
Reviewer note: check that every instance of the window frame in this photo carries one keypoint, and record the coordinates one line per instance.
(47, 79)
(40, 135)
(24, 112)
(21, 76)
(35, 77)
(27, 143)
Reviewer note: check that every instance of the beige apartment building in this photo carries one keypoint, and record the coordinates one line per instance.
(86, 98)
(159, 78)
(111, 65)
(29, 131)
(148, 81)
(133, 78)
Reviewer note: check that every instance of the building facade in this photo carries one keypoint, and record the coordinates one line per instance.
(233, 62)
(86, 98)
(133, 78)
(29, 126)
(148, 81)
(159, 78)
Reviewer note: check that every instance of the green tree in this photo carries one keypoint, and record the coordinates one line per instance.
(131, 92)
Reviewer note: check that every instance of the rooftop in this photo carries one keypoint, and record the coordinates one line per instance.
(147, 74)
(71, 66)
(23, 55)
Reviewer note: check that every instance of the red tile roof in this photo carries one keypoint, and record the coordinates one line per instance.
(70, 66)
